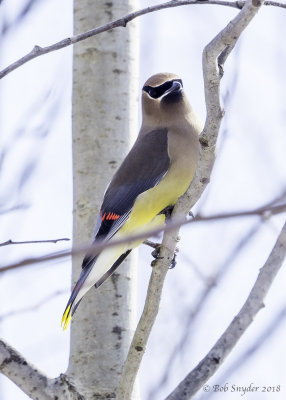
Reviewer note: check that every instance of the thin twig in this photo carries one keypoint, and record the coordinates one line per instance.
(8, 242)
(121, 22)
(34, 307)
(264, 212)
(275, 4)
(151, 244)
(14, 208)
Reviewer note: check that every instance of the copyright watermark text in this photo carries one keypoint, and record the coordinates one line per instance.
(242, 389)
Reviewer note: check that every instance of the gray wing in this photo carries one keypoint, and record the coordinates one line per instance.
(143, 168)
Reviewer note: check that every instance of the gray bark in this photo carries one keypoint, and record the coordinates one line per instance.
(105, 113)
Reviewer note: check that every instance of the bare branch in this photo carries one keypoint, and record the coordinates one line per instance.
(150, 311)
(8, 242)
(121, 22)
(218, 48)
(15, 367)
(275, 4)
(215, 357)
(150, 244)
(264, 212)
(14, 208)
(260, 340)
(33, 307)
(32, 381)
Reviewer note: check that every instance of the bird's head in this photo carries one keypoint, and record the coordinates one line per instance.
(163, 98)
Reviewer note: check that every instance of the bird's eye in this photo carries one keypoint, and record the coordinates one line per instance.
(158, 91)
(149, 90)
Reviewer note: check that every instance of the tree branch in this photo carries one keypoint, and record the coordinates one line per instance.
(264, 212)
(32, 381)
(275, 4)
(121, 22)
(18, 207)
(8, 242)
(218, 49)
(16, 368)
(34, 307)
(212, 361)
(260, 341)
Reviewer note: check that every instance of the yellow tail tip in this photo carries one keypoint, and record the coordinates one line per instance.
(66, 319)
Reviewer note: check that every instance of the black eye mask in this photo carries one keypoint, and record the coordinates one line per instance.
(158, 91)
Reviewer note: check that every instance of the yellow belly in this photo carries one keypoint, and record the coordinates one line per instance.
(148, 204)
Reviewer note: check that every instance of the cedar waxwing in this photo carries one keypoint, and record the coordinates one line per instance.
(157, 170)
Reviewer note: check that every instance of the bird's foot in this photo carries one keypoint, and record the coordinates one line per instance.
(156, 254)
(167, 211)
(174, 262)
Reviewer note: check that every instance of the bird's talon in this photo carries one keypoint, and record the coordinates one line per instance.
(156, 252)
(168, 212)
(174, 262)
(153, 263)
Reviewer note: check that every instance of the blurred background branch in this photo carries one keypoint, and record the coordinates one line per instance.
(265, 212)
(8, 242)
(254, 303)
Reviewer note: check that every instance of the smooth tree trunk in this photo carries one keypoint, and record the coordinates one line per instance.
(105, 109)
